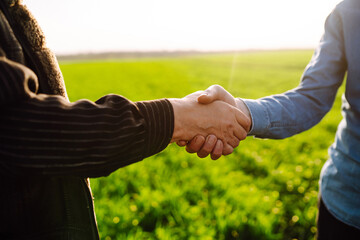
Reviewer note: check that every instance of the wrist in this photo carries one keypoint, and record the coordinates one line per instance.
(178, 128)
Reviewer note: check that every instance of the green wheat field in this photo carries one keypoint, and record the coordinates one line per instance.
(266, 189)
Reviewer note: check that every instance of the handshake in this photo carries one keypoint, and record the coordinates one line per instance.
(210, 122)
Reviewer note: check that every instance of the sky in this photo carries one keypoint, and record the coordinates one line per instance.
(90, 26)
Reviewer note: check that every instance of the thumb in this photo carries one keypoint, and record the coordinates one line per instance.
(209, 95)
(216, 92)
(206, 98)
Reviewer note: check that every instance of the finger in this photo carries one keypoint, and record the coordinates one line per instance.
(243, 120)
(205, 98)
(217, 151)
(208, 146)
(240, 134)
(227, 149)
(181, 143)
(209, 95)
(235, 133)
(216, 92)
(233, 141)
(195, 144)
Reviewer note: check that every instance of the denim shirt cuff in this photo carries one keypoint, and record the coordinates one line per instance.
(259, 117)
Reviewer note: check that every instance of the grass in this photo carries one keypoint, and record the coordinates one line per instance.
(266, 189)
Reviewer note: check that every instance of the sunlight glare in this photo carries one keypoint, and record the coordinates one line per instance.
(83, 26)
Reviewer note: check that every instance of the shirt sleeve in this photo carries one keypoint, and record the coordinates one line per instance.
(47, 135)
(283, 115)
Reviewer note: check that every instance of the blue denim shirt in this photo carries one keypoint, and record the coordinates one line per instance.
(283, 115)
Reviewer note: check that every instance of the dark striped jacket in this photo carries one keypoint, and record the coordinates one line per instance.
(49, 146)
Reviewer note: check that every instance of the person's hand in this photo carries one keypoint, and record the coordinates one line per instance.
(203, 147)
(215, 93)
(193, 118)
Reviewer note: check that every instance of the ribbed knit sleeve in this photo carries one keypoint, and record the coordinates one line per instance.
(47, 135)
(158, 115)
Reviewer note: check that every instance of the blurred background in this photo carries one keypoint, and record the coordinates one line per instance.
(266, 189)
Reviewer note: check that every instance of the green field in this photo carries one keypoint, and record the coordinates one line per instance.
(266, 189)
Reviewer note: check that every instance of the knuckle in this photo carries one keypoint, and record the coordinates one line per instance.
(217, 86)
(229, 124)
(243, 135)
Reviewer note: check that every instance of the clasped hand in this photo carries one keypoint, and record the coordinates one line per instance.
(210, 122)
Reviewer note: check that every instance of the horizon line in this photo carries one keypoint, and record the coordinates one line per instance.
(161, 53)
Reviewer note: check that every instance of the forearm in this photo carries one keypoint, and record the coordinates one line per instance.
(43, 134)
(48, 135)
(297, 110)
(284, 115)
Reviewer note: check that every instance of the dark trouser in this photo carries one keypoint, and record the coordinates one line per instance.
(330, 228)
